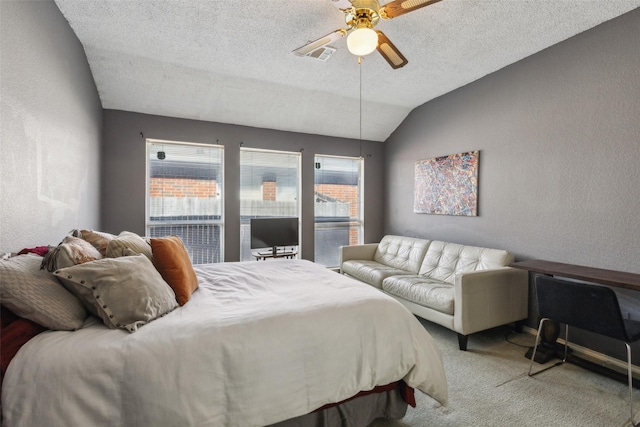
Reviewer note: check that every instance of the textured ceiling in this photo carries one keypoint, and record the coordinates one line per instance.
(230, 61)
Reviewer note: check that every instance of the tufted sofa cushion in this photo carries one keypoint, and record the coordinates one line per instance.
(370, 272)
(422, 290)
(443, 260)
(403, 253)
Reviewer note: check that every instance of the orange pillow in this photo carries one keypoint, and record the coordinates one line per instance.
(172, 261)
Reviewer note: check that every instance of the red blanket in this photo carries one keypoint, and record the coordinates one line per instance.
(406, 392)
(16, 331)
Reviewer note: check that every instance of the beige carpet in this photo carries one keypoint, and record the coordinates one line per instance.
(489, 387)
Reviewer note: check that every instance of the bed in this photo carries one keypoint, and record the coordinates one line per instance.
(284, 342)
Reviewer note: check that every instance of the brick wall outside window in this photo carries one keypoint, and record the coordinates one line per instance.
(268, 190)
(181, 187)
(347, 194)
(344, 193)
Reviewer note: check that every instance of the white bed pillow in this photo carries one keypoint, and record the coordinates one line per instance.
(125, 292)
(36, 295)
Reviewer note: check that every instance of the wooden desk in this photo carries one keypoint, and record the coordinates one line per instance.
(269, 254)
(618, 279)
(549, 348)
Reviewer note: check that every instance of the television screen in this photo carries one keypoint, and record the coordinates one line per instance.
(273, 232)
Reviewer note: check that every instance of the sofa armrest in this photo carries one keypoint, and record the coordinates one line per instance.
(488, 298)
(366, 251)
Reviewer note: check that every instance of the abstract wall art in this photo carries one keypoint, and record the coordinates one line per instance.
(447, 185)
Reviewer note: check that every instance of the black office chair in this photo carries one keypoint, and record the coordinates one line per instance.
(590, 307)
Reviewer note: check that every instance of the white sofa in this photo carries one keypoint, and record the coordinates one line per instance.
(464, 288)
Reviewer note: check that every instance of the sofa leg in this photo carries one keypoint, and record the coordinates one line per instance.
(462, 342)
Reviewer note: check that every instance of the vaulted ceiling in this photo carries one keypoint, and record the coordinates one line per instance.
(231, 61)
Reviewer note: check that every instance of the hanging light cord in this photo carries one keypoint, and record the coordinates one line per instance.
(360, 70)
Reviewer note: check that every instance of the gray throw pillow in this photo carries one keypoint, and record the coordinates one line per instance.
(128, 242)
(36, 295)
(125, 292)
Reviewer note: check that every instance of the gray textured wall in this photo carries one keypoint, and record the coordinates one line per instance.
(51, 128)
(123, 177)
(559, 174)
(559, 141)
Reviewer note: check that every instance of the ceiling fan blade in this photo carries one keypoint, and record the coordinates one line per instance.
(390, 52)
(322, 41)
(400, 7)
(341, 4)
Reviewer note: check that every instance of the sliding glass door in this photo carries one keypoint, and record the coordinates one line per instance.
(338, 206)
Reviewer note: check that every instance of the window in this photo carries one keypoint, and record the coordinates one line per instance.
(184, 196)
(269, 187)
(338, 206)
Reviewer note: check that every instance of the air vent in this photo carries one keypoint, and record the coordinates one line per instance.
(323, 53)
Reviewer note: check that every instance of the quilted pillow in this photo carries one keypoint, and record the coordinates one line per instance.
(127, 243)
(125, 292)
(36, 295)
(172, 261)
(71, 251)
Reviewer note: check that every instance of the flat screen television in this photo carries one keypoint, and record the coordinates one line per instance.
(273, 233)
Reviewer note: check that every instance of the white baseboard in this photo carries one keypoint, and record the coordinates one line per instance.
(594, 356)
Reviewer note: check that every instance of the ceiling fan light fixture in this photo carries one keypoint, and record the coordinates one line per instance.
(362, 41)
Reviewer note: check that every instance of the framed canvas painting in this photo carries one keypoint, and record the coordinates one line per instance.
(447, 185)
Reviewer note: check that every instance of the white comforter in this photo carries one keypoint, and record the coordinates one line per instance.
(259, 342)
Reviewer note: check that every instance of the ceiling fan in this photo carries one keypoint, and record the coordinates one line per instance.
(361, 16)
